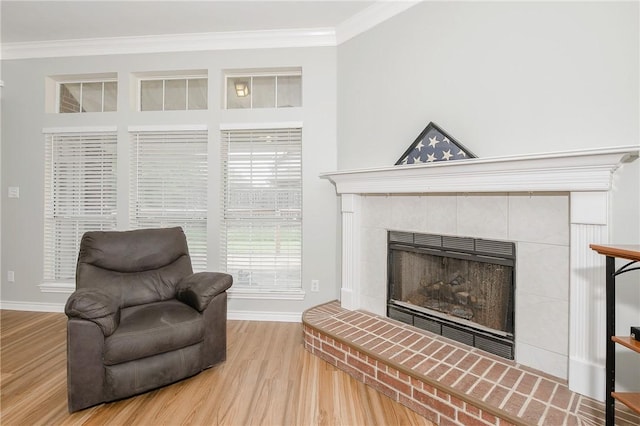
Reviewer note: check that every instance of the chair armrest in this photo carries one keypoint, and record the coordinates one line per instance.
(94, 305)
(197, 290)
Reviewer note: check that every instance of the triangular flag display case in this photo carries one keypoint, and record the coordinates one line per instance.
(432, 145)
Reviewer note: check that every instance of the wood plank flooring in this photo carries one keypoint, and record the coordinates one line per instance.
(268, 379)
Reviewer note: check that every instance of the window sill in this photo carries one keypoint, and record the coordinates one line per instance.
(266, 294)
(67, 288)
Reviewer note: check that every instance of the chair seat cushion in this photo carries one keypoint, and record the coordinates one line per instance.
(152, 329)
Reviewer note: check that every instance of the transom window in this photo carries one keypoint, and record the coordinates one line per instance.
(173, 93)
(263, 89)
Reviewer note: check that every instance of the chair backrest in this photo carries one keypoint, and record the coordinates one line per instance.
(140, 266)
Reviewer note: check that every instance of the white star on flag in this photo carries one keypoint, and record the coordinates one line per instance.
(419, 146)
(431, 158)
(433, 141)
(446, 154)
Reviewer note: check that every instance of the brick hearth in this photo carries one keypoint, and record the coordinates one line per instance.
(442, 380)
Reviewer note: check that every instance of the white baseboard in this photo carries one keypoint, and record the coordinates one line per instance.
(31, 306)
(231, 314)
(264, 316)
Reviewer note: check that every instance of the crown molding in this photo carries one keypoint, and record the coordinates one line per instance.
(304, 37)
(370, 17)
(314, 37)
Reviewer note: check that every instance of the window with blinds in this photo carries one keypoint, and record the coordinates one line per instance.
(262, 207)
(169, 185)
(80, 195)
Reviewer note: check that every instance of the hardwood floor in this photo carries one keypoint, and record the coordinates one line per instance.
(268, 379)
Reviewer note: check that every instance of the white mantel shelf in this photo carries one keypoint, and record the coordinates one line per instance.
(573, 171)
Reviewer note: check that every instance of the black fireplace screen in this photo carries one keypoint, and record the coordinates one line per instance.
(462, 281)
(469, 290)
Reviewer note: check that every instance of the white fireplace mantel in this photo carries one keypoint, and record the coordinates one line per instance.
(586, 170)
(586, 176)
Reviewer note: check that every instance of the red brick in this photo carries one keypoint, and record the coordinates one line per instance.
(434, 403)
(534, 411)
(481, 389)
(467, 382)
(451, 377)
(413, 361)
(372, 343)
(490, 418)
(446, 421)
(503, 422)
(337, 353)
(457, 402)
(481, 366)
(404, 377)
(353, 372)
(438, 371)
(419, 408)
(432, 348)
(527, 383)
(402, 356)
(455, 356)
(428, 388)
(392, 371)
(496, 372)
(545, 389)
(514, 403)
(472, 409)
(361, 366)
(420, 344)
(424, 366)
(468, 420)
(443, 352)
(443, 395)
(496, 396)
(381, 387)
(410, 340)
(331, 360)
(394, 383)
(466, 362)
(562, 397)
(416, 383)
(511, 378)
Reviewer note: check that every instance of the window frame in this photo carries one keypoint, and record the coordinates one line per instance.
(198, 247)
(257, 73)
(259, 291)
(170, 76)
(53, 90)
(52, 263)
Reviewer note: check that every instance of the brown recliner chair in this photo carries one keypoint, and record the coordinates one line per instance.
(140, 318)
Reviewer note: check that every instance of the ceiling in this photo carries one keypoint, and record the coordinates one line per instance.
(38, 21)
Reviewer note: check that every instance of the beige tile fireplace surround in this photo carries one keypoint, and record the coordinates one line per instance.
(552, 206)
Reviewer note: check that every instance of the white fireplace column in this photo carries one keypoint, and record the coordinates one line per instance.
(350, 291)
(589, 220)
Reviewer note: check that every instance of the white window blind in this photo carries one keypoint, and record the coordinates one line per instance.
(262, 207)
(80, 195)
(169, 185)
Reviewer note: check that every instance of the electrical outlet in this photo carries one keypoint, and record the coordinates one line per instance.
(315, 286)
(11, 277)
(13, 192)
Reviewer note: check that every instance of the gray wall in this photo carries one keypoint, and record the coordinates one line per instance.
(504, 78)
(24, 117)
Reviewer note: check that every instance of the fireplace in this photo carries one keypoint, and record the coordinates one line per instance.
(461, 288)
(551, 205)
